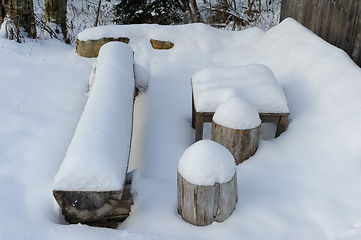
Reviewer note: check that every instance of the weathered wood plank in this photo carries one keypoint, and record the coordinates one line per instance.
(202, 205)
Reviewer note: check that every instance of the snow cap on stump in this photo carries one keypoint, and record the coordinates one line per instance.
(207, 163)
(237, 113)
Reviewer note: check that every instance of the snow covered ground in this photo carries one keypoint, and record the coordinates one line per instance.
(303, 185)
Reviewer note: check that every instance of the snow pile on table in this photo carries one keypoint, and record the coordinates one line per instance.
(97, 158)
(206, 163)
(255, 83)
(236, 113)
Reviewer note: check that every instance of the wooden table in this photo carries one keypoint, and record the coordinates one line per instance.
(254, 83)
(198, 118)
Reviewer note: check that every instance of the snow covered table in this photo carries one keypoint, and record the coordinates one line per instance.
(254, 83)
(90, 185)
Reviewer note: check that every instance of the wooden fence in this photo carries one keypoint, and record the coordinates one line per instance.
(336, 21)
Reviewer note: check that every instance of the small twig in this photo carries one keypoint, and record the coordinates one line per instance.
(31, 49)
(97, 17)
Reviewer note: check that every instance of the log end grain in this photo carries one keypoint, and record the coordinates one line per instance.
(90, 48)
(101, 209)
(162, 45)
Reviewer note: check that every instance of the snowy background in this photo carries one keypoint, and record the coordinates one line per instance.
(303, 185)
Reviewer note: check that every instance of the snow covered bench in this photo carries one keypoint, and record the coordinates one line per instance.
(90, 185)
(254, 83)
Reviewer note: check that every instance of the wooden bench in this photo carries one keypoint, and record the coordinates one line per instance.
(92, 185)
(199, 117)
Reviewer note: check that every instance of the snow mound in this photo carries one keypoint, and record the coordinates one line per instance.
(255, 83)
(97, 158)
(141, 76)
(237, 113)
(206, 163)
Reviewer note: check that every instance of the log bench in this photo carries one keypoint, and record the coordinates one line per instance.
(92, 185)
(239, 80)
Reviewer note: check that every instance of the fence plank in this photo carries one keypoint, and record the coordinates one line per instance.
(336, 21)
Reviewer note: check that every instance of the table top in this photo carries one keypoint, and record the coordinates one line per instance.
(254, 83)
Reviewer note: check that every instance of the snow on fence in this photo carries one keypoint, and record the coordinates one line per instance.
(92, 178)
(337, 22)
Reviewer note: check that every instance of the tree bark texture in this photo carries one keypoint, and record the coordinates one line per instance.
(202, 205)
(241, 143)
(22, 12)
(55, 12)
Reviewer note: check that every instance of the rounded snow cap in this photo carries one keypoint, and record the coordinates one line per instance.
(237, 113)
(206, 163)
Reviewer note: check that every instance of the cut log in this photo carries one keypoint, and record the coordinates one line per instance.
(241, 143)
(100, 209)
(90, 48)
(163, 45)
(202, 205)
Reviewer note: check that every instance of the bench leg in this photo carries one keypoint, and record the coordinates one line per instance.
(198, 126)
(281, 126)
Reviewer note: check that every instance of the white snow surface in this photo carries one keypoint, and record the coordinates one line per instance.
(255, 83)
(97, 158)
(304, 184)
(237, 113)
(206, 163)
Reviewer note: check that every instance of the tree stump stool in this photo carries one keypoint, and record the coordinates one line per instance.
(206, 183)
(236, 125)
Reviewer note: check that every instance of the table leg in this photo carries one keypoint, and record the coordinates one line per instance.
(193, 113)
(199, 127)
(281, 126)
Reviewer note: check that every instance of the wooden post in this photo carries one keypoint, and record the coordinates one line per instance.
(241, 143)
(202, 205)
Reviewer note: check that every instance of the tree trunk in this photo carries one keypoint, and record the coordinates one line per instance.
(195, 9)
(22, 13)
(55, 17)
